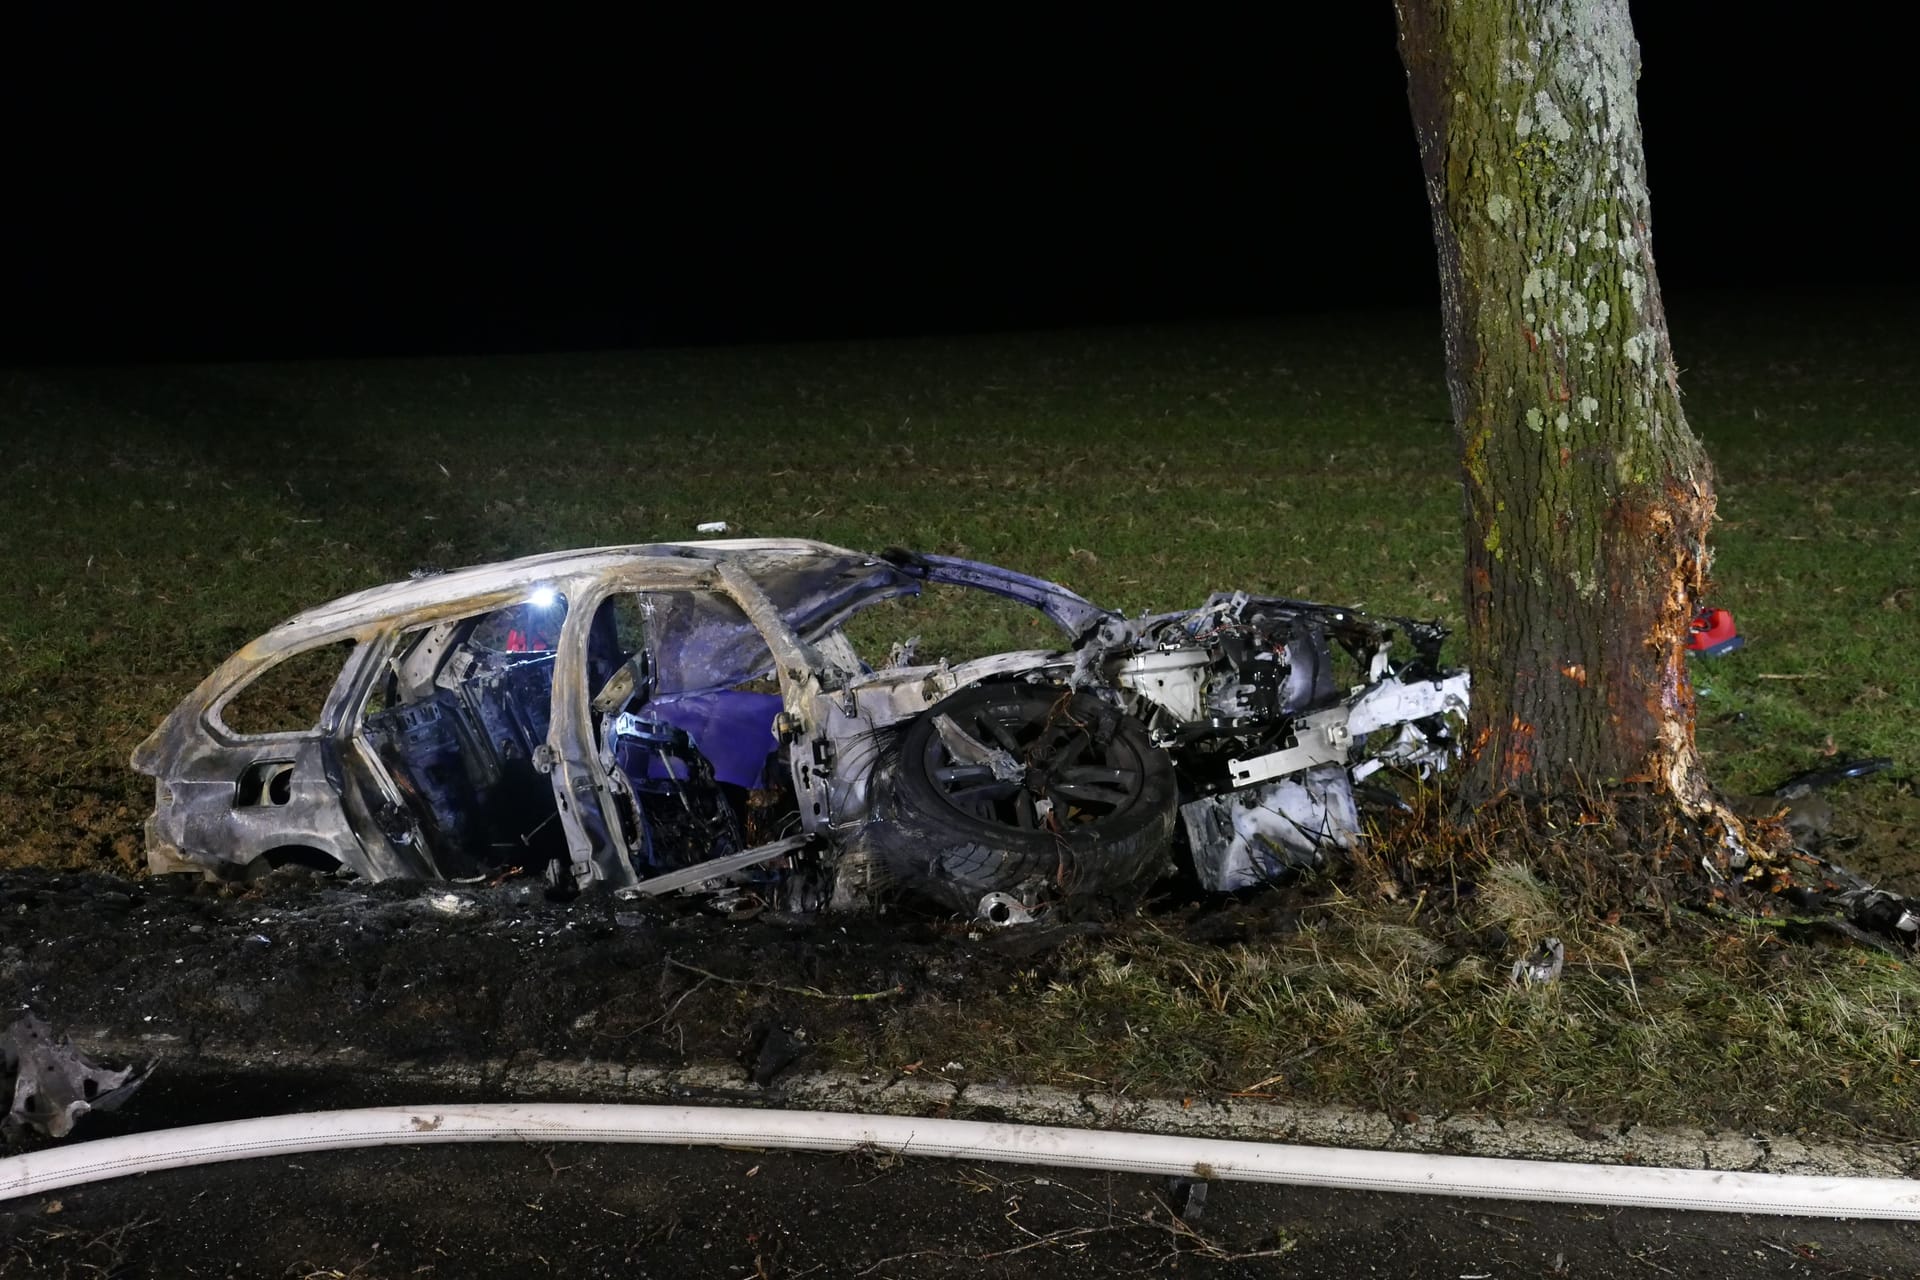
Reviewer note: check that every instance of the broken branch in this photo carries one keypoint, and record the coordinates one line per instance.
(813, 993)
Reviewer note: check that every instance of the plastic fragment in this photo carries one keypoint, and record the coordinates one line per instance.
(1541, 965)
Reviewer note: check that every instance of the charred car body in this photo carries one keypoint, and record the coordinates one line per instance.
(693, 717)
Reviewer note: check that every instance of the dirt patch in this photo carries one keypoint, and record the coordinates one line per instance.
(518, 1211)
(1384, 987)
(1876, 832)
(411, 972)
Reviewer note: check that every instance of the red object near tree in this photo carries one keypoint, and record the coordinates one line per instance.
(1713, 633)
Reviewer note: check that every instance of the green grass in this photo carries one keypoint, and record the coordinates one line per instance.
(157, 518)
(1363, 1006)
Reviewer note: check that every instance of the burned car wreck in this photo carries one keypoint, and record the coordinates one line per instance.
(693, 716)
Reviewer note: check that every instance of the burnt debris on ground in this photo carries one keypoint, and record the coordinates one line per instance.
(411, 971)
(51, 1084)
(1630, 852)
(303, 962)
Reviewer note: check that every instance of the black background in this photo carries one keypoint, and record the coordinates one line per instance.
(226, 185)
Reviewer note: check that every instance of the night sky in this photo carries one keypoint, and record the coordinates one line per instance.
(236, 187)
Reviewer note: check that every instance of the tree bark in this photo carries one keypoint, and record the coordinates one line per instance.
(1587, 499)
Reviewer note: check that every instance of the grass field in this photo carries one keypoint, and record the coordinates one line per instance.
(156, 518)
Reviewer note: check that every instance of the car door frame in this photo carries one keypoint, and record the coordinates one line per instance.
(586, 789)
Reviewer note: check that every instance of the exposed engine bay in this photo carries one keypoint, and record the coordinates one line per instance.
(1243, 692)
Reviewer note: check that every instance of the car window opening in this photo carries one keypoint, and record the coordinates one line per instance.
(457, 719)
(689, 728)
(288, 696)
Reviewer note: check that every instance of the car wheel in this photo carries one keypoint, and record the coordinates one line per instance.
(1013, 788)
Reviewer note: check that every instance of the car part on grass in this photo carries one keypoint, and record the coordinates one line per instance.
(1117, 1151)
(1542, 964)
(51, 1084)
(692, 716)
(1812, 780)
(1883, 912)
(1839, 899)
(1004, 909)
(1822, 896)
(1712, 633)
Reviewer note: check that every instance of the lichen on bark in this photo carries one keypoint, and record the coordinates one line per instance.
(1586, 498)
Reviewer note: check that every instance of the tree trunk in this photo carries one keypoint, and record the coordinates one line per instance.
(1587, 499)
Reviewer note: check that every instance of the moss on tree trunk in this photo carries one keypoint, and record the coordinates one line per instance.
(1587, 499)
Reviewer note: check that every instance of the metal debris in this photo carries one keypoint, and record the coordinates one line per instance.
(1189, 1197)
(1541, 965)
(54, 1084)
(1004, 909)
(1801, 784)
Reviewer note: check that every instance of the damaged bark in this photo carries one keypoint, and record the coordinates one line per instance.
(1586, 498)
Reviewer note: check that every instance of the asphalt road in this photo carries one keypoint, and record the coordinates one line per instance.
(521, 1211)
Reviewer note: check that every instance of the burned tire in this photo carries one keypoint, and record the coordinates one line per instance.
(1075, 798)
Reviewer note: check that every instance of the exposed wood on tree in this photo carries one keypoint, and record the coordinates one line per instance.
(1587, 499)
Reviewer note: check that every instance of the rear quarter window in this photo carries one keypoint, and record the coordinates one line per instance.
(288, 696)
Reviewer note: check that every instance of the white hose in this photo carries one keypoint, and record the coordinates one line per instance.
(1717, 1190)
